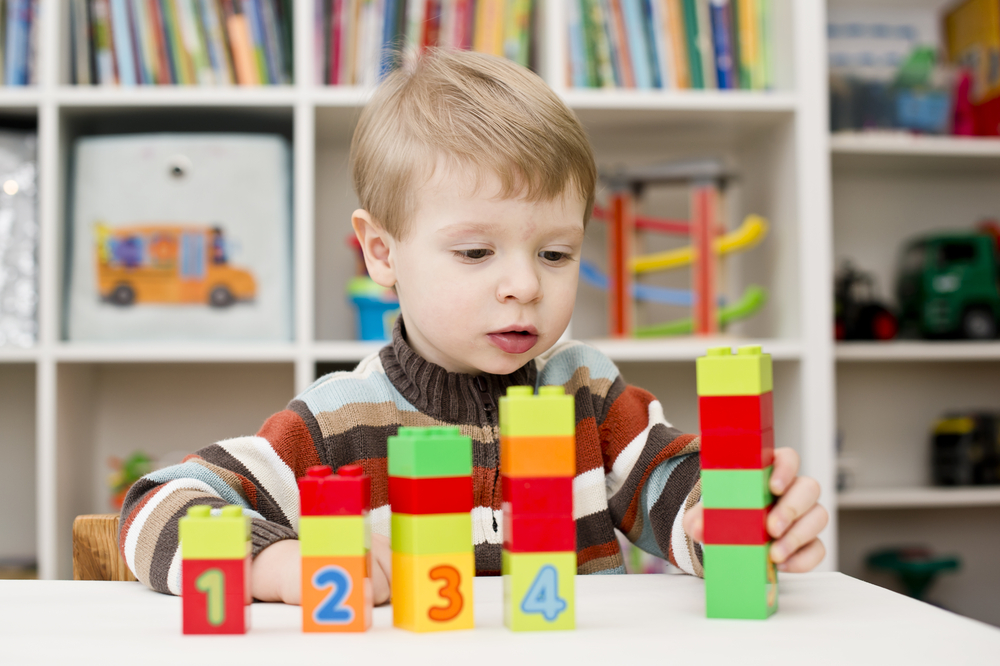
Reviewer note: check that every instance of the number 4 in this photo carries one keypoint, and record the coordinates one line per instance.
(543, 595)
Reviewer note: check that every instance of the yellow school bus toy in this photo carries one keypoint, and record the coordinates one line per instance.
(168, 263)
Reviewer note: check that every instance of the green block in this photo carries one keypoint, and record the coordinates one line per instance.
(549, 413)
(432, 533)
(741, 582)
(419, 453)
(207, 537)
(736, 488)
(748, 372)
(334, 536)
(539, 591)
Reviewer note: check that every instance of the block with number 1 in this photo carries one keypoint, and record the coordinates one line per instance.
(215, 570)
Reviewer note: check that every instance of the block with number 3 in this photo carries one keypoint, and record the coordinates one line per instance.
(432, 592)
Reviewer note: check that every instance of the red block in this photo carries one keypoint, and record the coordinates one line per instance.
(347, 493)
(736, 412)
(444, 494)
(736, 527)
(737, 450)
(538, 496)
(215, 596)
(538, 534)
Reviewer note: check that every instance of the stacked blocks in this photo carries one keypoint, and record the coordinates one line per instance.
(537, 464)
(430, 493)
(737, 451)
(215, 570)
(335, 541)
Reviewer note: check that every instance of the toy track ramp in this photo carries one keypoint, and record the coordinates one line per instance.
(751, 232)
(753, 300)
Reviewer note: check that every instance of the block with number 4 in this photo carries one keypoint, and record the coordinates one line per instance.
(539, 591)
(215, 570)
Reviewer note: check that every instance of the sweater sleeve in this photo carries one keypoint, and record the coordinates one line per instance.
(647, 471)
(256, 472)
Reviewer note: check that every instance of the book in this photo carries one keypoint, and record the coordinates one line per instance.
(723, 43)
(692, 42)
(637, 44)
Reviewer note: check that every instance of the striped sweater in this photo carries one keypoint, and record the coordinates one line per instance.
(635, 472)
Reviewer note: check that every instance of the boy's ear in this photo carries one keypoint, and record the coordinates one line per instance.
(376, 245)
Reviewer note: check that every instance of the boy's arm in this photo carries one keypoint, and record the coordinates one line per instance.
(258, 473)
(652, 475)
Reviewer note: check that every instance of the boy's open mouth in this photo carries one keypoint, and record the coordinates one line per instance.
(514, 341)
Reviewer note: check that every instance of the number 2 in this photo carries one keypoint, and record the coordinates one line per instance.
(449, 592)
(213, 583)
(329, 611)
(543, 595)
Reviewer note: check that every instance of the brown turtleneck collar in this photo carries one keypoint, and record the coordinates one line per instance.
(448, 396)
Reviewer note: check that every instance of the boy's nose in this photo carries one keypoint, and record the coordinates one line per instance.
(519, 282)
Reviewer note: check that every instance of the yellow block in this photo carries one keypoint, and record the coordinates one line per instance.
(432, 592)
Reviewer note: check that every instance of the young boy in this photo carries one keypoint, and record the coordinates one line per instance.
(475, 183)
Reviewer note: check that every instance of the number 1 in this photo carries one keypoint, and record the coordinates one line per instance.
(213, 583)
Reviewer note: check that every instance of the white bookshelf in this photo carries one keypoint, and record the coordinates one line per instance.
(887, 188)
(80, 403)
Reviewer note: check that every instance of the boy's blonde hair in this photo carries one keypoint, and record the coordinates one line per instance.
(478, 112)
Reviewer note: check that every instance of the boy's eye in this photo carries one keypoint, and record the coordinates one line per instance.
(479, 253)
(553, 256)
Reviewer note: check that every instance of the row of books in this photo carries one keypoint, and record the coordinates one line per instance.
(357, 41)
(18, 40)
(188, 42)
(670, 44)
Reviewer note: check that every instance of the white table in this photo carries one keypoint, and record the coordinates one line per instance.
(824, 618)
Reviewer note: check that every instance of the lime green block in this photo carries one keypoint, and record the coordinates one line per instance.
(736, 488)
(748, 372)
(549, 413)
(207, 537)
(741, 582)
(539, 591)
(334, 536)
(432, 533)
(419, 453)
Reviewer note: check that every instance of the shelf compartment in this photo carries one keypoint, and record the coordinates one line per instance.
(918, 497)
(18, 472)
(909, 153)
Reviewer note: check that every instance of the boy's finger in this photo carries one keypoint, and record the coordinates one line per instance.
(799, 498)
(786, 468)
(806, 559)
(694, 523)
(803, 532)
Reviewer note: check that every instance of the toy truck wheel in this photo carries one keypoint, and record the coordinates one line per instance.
(123, 295)
(978, 324)
(220, 297)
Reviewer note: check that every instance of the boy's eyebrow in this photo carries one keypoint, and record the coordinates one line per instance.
(486, 228)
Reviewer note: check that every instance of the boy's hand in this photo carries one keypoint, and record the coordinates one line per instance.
(276, 572)
(795, 521)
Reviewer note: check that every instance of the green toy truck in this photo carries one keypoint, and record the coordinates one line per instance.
(948, 286)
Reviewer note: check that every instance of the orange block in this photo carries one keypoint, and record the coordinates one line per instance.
(532, 457)
(433, 592)
(336, 594)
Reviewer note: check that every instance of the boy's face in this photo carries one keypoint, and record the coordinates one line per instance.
(485, 284)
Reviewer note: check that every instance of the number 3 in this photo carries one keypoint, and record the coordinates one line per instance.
(449, 592)
(329, 611)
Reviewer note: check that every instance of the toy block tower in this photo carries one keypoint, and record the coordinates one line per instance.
(335, 540)
(737, 451)
(537, 465)
(430, 492)
(215, 570)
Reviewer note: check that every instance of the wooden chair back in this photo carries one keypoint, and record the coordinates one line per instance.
(95, 549)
